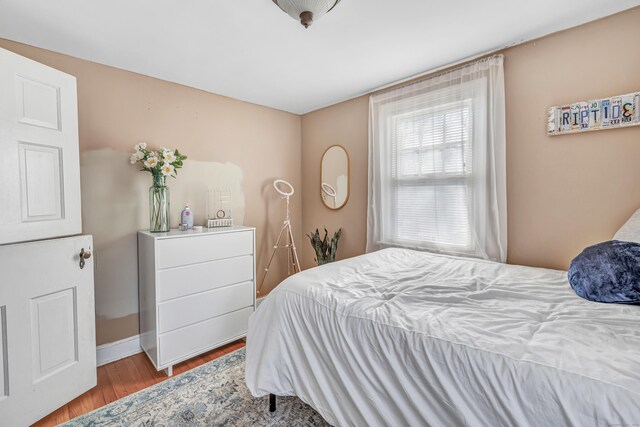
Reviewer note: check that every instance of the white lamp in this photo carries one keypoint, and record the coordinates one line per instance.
(285, 189)
(306, 11)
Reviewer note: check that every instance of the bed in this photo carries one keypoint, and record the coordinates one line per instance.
(406, 338)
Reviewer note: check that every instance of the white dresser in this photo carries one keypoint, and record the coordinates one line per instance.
(197, 291)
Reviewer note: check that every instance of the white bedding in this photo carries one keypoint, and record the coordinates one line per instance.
(399, 337)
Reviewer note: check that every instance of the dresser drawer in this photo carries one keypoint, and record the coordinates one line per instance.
(191, 279)
(207, 247)
(196, 338)
(188, 310)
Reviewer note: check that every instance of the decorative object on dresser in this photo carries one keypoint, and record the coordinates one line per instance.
(597, 114)
(186, 218)
(197, 291)
(161, 164)
(325, 250)
(219, 207)
(285, 189)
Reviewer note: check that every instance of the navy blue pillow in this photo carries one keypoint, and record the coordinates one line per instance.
(607, 272)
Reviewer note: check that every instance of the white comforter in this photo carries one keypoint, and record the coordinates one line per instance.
(404, 338)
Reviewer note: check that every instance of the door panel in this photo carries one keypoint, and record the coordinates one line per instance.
(49, 331)
(39, 156)
(53, 332)
(40, 181)
(38, 103)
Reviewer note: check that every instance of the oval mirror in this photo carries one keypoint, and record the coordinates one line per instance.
(334, 177)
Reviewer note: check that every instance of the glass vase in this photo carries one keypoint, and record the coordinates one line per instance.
(159, 205)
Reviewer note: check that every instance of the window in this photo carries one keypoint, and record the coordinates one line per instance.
(436, 164)
(432, 186)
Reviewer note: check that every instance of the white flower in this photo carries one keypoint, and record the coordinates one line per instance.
(141, 146)
(167, 169)
(151, 162)
(135, 157)
(168, 156)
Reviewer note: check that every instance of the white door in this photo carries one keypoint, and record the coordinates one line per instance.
(39, 162)
(47, 316)
(47, 333)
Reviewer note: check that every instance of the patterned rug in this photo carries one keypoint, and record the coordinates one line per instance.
(213, 394)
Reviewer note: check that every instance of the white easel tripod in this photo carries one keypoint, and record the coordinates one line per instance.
(292, 254)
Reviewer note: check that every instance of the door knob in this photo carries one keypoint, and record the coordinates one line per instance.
(84, 255)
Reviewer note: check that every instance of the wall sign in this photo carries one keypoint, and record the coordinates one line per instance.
(598, 114)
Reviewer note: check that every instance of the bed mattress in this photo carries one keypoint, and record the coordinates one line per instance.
(407, 338)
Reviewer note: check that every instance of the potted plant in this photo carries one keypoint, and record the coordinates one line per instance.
(325, 249)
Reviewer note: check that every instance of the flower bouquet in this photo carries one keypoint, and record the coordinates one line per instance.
(161, 164)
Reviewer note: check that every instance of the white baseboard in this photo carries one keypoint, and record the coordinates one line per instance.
(259, 301)
(113, 351)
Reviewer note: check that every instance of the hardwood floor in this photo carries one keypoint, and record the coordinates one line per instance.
(123, 377)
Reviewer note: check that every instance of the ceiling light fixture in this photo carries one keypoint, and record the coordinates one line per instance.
(306, 10)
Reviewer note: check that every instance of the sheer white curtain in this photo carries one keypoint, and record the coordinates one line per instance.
(437, 178)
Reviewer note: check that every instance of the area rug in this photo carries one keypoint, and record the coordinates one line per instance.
(213, 394)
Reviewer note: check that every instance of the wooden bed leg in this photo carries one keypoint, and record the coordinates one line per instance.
(272, 403)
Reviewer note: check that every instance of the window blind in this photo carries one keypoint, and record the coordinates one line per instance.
(432, 176)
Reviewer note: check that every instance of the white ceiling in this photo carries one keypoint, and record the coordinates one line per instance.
(251, 50)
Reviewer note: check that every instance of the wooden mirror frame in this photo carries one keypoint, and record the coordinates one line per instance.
(346, 153)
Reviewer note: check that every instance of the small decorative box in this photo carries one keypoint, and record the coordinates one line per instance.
(225, 222)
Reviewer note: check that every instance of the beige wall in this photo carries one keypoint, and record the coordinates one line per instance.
(343, 124)
(565, 192)
(228, 142)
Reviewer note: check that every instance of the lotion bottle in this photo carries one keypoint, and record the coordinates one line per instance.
(187, 217)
